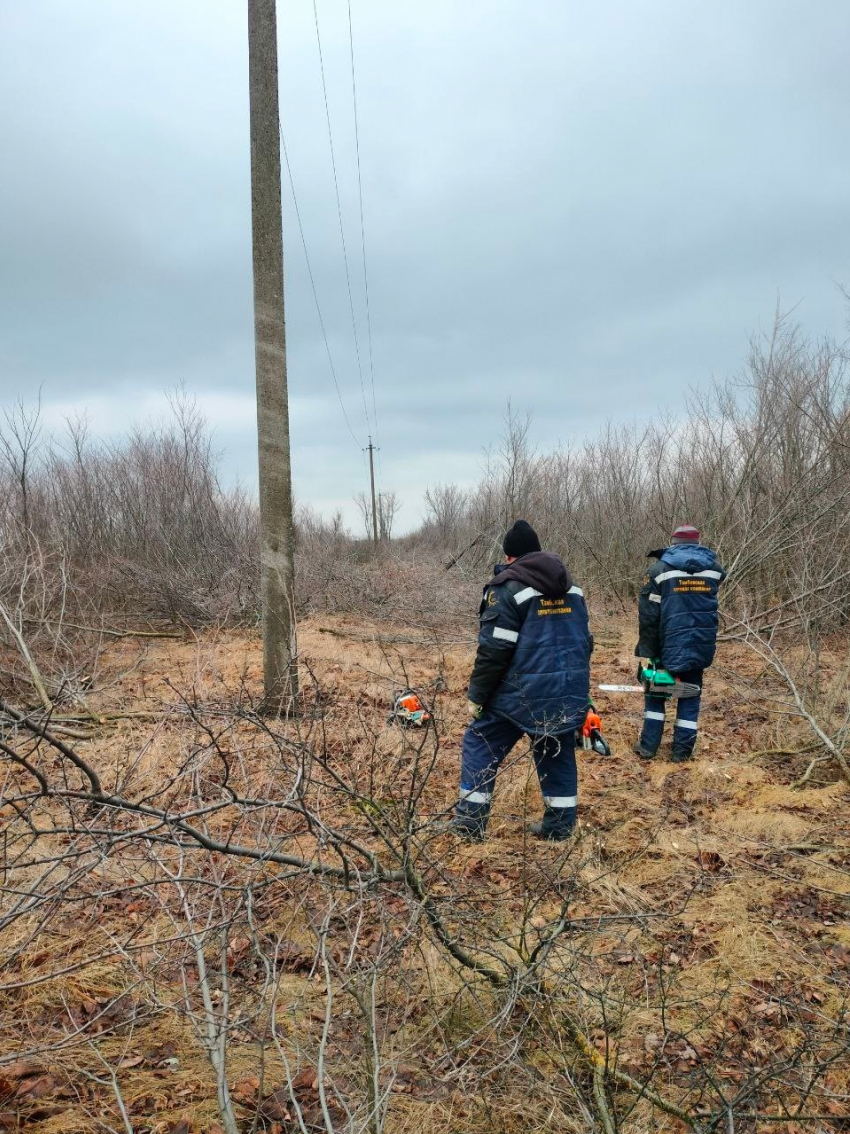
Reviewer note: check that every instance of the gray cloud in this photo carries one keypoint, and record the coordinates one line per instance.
(586, 208)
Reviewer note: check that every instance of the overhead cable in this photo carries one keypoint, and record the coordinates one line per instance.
(339, 214)
(313, 286)
(363, 229)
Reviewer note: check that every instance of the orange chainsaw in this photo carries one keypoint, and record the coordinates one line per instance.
(408, 710)
(589, 736)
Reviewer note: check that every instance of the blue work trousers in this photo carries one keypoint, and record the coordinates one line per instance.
(685, 725)
(488, 741)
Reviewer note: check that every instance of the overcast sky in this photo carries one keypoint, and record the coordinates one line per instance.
(585, 207)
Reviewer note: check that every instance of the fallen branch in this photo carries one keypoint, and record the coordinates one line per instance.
(27, 656)
(592, 1056)
(104, 630)
(165, 818)
(601, 1101)
(500, 980)
(182, 830)
(72, 733)
(770, 656)
(786, 751)
(105, 718)
(392, 639)
(805, 776)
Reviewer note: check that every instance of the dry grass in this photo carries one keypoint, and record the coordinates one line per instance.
(748, 872)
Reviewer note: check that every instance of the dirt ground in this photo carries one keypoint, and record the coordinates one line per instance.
(734, 870)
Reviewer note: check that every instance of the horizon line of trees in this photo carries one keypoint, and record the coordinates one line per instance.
(759, 463)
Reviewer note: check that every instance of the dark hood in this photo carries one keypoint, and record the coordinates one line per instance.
(687, 557)
(543, 570)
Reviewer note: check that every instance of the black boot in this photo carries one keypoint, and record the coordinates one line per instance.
(470, 821)
(557, 824)
(679, 756)
(644, 753)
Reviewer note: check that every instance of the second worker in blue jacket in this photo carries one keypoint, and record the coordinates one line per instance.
(677, 612)
(531, 677)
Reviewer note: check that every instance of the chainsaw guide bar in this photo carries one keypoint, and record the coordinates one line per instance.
(680, 689)
(656, 681)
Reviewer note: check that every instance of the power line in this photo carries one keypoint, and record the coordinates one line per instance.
(313, 286)
(363, 230)
(339, 214)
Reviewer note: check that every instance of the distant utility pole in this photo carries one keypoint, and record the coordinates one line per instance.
(276, 533)
(371, 449)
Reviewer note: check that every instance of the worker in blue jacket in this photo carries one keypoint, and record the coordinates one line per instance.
(531, 677)
(677, 613)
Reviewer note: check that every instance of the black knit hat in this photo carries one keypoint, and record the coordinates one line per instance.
(520, 540)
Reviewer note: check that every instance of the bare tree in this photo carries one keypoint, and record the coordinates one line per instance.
(388, 506)
(19, 446)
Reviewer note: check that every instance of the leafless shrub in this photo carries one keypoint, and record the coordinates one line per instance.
(282, 898)
(142, 525)
(761, 464)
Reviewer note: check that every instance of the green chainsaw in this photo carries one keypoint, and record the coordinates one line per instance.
(655, 681)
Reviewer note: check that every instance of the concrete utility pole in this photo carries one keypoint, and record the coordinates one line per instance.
(371, 449)
(277, 559)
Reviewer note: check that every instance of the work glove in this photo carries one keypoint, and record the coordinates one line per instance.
(475, 711)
